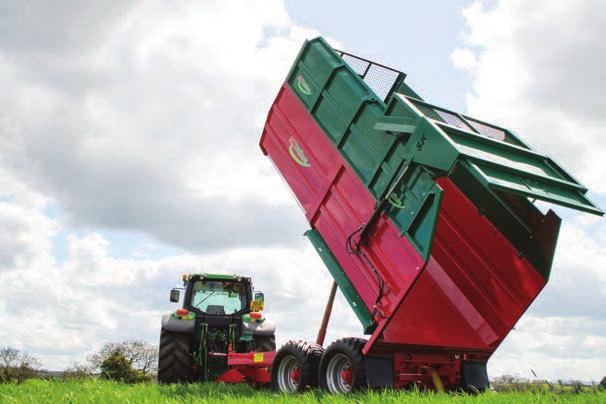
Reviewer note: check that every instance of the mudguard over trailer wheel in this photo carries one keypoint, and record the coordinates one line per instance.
(342, 366)
(295, 367)
(175, 363)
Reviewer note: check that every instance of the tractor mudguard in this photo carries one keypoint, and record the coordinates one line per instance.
(170, 323)
(267, 327)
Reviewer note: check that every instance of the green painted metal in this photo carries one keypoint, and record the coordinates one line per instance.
(352, 297)
(377, 136)
(414, 205)
(500, 165)
(382, 138)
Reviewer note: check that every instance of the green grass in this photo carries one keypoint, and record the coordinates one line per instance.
(99, 391)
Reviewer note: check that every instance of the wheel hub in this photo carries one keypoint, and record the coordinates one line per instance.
(339, 374)
(347, 376)
(295, 374)
(288, 375)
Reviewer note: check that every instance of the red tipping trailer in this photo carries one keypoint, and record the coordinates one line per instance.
(422, 215)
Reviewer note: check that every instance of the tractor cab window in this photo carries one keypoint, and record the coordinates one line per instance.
(218, 297)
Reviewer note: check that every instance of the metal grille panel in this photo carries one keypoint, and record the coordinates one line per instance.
(489, 131)
(444, 116)
(381, 79)
(452, 119)
(358, 65)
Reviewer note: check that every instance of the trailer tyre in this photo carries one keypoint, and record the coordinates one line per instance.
(265, 343)
(175, 363)
(342, 366)
(295, 367)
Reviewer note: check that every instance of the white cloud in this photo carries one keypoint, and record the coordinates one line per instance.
(537, 67)
(143, 118)
(148, 118)
(464, 59)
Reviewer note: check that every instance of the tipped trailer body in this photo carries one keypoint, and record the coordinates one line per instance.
(423, 216)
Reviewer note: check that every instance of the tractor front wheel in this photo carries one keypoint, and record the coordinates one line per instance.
(295, 367)
(175, 364)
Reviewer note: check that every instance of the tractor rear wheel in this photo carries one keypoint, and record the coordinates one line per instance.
(295, 367)
(175, 363)
(265, 343)
(342, 366)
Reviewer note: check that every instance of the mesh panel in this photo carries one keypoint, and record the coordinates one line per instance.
(428, 112)
(358, 65)
(489, 131)
(452, 119)
(380, 79)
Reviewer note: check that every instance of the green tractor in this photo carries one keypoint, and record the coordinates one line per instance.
(219, 332)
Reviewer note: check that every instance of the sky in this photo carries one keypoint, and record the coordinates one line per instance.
(129, 154)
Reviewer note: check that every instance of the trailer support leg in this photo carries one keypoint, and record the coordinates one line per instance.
(327, 312)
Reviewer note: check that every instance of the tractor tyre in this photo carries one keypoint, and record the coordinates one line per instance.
(295, 367)
(265, 343)
(342, 366)
(175, 364)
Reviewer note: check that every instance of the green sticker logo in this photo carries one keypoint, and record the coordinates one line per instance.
(297, 154)
(303, 86)
(395, 201)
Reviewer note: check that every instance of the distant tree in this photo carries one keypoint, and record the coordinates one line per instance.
(78, 371)
(119, 368)
(141, 356)
(603, 383)
(17, 366)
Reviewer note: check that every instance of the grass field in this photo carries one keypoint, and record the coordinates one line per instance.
(98, 391)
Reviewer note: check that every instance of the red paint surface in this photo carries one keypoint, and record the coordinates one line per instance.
(243, 368)
(337, 203)
(474, 287)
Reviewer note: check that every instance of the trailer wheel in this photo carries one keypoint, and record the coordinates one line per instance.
(265, 343)
(175, 363)
(342, 366)
(295, 367)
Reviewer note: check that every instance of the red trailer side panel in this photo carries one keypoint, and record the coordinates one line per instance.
(337, 203)
(474, 287)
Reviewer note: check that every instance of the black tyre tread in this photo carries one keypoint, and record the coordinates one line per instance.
(265, 343)
(175, 363)
(352, 347)
(308, 355)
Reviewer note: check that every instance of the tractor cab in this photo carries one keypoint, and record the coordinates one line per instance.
(222, 295)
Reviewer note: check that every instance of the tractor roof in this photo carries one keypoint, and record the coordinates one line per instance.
(219, 277)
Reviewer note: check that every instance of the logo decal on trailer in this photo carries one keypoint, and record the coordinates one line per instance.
(297, 154)
(303, 86)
